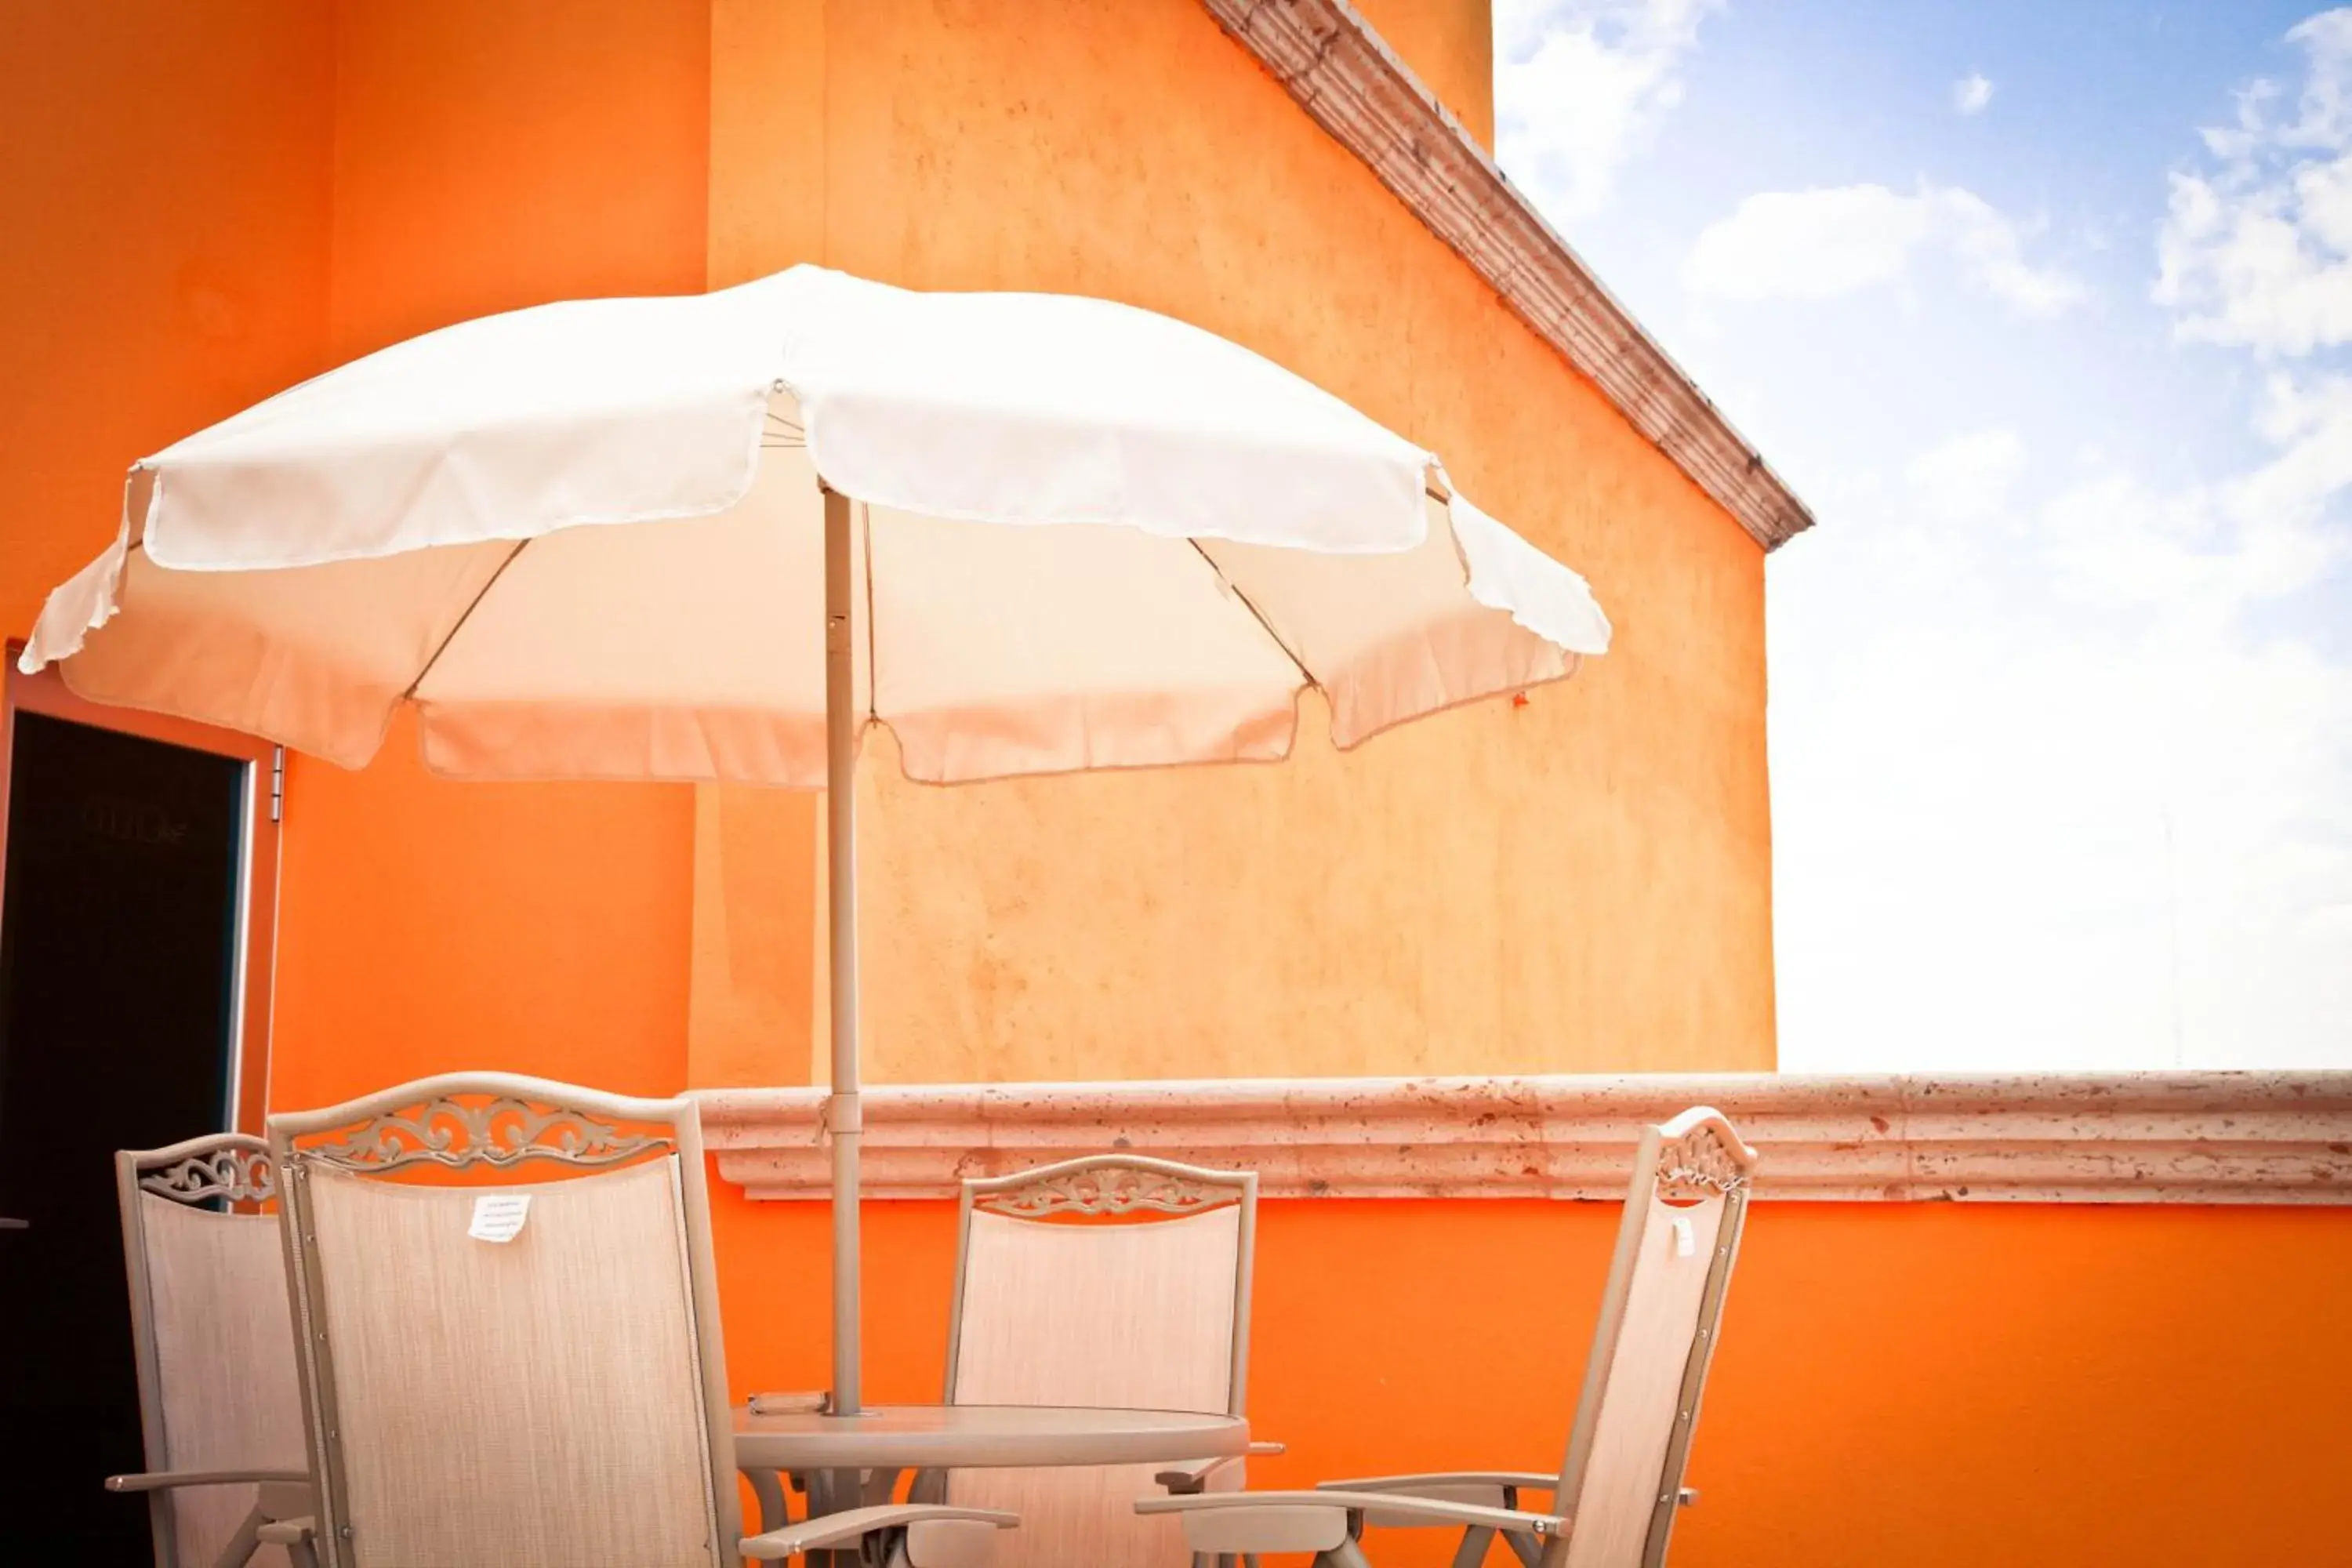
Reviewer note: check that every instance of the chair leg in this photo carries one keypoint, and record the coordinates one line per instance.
(1473, 1549)
(1347, 1555)
(303, 1554)
(775, 1512)
(241, 1547)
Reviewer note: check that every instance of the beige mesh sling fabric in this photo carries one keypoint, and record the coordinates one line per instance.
(212, 1338)
(1615, 1496)
(1104, 1281)
(1622, 1481)
(510, 1335)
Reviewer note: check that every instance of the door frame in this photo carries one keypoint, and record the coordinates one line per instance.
(252, 991)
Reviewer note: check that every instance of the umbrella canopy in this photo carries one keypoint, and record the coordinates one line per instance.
(440, 524)
(714, 537)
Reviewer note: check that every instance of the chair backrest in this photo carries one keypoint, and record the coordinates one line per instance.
(1109, 1280)
(556, 1396)
(1657, 1332)
(211, 1331)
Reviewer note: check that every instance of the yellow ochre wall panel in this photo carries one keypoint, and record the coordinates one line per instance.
(1450, 46)
(1582, 882)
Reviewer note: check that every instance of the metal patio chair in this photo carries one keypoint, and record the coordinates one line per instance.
(1108, 1280)
(220, 1403)
(1615, 1496)
(501, 1372)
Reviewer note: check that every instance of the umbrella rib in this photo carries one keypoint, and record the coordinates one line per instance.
(1259, 616)
(467, 614)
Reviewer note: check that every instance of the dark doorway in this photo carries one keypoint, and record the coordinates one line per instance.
(119, 1016)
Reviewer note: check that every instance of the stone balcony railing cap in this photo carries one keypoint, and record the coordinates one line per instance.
(2196, 1137)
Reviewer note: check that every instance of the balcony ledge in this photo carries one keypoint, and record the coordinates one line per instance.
(2145, 1137)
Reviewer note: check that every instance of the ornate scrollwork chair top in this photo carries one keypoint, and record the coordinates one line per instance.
(1615, 1495)
(1108, 1280)
(511, 1349)
(220, 1407)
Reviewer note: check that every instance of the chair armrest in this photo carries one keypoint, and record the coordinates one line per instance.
(1183, 1480)
(1517, 1480)
(1298, 1522)
(1482, 1489)
(285, 1532)
(164, 1481)
(840, 1528)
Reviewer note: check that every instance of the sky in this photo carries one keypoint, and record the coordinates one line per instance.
(2045, 310)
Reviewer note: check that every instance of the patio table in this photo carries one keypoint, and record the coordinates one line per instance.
(881, 1441)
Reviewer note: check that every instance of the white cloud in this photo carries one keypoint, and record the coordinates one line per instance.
(2217, 552)
(1971, 93)
(1821, 243)
(2058, 792)
(2256, 249)
(1967, 479)
(1579, 87)
(2109, 538)
(2016, 844)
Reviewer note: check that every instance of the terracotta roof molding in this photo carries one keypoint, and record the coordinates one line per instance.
(1341, 72)
(2135, 1138)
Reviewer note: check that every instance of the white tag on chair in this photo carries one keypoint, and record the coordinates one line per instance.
(498, 1217)
(1685, 1243)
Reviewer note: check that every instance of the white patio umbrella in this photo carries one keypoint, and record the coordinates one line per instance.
(715, 537)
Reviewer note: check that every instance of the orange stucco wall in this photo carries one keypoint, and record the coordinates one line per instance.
(1929, 1386)
(202, 205)
(487, 156)
(164, 241)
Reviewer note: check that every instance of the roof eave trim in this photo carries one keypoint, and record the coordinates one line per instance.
(1342, 73)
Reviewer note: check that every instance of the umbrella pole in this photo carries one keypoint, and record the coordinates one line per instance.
(844, 1120)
